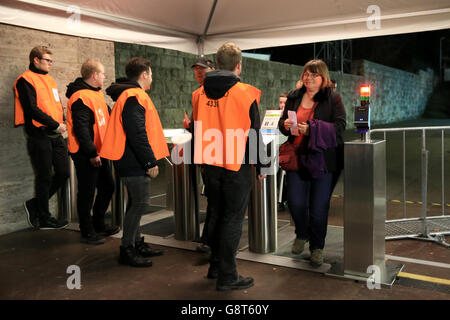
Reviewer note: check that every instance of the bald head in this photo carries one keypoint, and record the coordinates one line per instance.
(93, 73)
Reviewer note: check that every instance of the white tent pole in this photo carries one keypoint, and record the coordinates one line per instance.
(201, 46)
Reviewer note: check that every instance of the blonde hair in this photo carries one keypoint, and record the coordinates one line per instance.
(228, 56)
(319, 67)
(89, 67)
(38, 52)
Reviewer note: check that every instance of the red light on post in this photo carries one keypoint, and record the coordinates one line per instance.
(365, 92)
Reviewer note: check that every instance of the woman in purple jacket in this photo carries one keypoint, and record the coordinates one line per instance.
(309, 193)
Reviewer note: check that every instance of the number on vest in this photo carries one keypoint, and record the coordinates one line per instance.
(213, 103)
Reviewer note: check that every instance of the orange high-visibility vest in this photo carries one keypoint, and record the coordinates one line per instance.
(47, 97)
(114, 142)
(195, 95)
(95, 101)
(221, 126)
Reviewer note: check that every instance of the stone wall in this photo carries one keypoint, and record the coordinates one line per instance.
(173, 79)
(16, 175)
(396, 95)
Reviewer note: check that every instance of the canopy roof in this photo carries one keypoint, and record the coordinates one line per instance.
(201, 26)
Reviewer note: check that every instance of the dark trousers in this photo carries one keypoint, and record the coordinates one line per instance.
(228, 197)
(204, 237)
(90, 178)
(138, 196)
(309, 203)
(46, 154)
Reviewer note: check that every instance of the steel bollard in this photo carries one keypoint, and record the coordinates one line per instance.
(263, 209)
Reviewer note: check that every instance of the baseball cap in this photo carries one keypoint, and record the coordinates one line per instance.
(203, 62)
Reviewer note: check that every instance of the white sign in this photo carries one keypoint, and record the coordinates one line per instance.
(270, 121)
(55, 94)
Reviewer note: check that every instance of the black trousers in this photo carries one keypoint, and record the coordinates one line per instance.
(90, 178)
(48, 153)
(228, 197)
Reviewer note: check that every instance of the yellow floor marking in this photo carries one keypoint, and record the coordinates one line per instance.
(396, 201)
(424, 278)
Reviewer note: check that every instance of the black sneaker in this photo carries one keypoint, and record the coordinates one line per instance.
(203, 248)
(240, 283)
(32, 214)
(213, 273)
(108, 231)
(52, 223)
(93, 238)
(130, 257)
(145, 251)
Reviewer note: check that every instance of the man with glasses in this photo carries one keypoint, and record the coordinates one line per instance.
(200, 68)
(39, 109)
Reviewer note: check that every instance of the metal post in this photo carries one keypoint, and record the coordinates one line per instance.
(66, 196)
(280, 191)
(440, 59)
(404, 175)
(184, 203)
(443, 173)
(118, 203)
(262, 210)
(424, 185)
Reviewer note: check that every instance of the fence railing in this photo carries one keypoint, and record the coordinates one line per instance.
(424, 222)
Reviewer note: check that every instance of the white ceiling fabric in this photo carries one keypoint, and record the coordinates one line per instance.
(179, 24)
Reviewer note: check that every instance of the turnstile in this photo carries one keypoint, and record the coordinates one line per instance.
(263, 205)
(184, 191)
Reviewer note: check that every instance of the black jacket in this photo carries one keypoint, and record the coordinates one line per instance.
(138, 155)
(329, 108)
(216, 84)
(83, 119)
(27, 97)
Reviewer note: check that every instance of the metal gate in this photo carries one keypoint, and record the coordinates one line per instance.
(423, 228)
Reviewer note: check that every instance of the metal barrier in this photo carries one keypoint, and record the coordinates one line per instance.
(262, 209)
(418, 228)
(66, 196)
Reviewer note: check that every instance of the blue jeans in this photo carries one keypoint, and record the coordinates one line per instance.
(309, 203)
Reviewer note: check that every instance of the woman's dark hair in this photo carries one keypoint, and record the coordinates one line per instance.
(135, 66)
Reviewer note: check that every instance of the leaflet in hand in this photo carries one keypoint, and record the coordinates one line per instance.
(292, 116)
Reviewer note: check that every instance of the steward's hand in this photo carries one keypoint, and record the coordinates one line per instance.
(153, 172)
(96, 162)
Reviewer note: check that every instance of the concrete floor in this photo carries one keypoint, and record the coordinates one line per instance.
(34, 263)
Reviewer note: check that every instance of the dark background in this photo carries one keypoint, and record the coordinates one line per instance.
(409, 52)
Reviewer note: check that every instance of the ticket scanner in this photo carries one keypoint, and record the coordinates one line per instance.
(365, 205)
